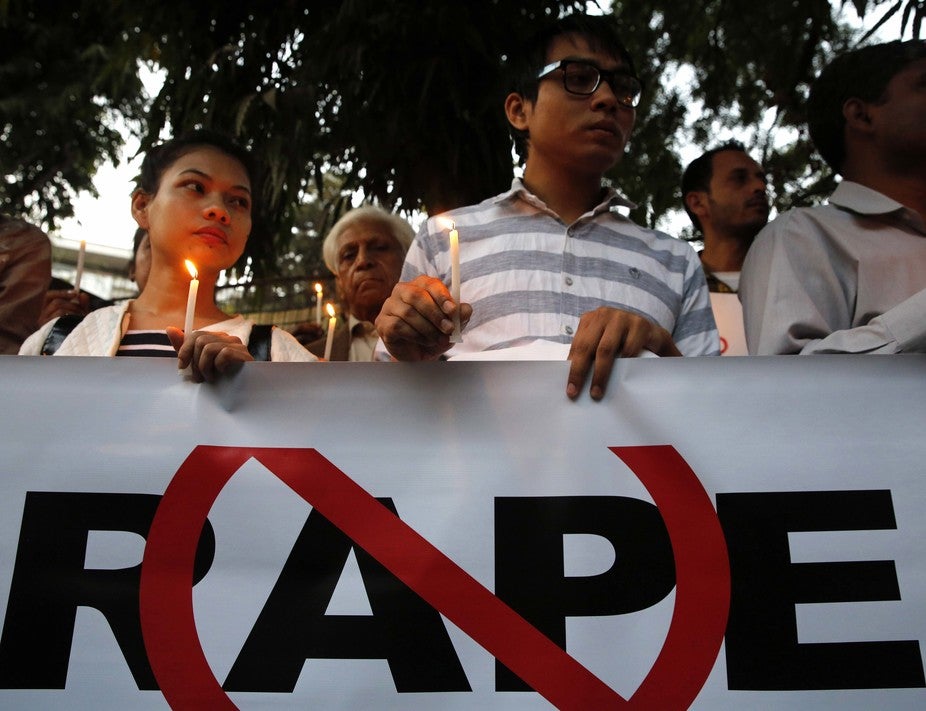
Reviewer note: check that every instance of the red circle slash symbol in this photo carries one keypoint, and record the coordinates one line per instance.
(186, 680)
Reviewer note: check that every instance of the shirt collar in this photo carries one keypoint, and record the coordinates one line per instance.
(611, 198)
(862, 200)
(366, 327)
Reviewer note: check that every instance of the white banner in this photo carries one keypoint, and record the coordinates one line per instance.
(741, 533)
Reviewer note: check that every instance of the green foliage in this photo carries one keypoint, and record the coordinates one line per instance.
(750, 66)
(298, 266)
(913, 14)
(63, 72)
(400, 99)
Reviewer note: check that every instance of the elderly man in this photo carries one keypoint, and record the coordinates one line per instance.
(724, 192)
(364, 250)
(850, 276)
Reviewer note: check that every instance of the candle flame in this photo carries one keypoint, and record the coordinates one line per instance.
(330, 309)
(191, 268)
(446, 223)
(318, 288)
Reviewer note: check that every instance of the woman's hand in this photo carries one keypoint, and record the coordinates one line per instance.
(208, 353)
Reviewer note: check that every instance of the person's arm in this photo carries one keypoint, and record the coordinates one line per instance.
(64, 302)
(798, 295)
(33, 345)
(695, 330)
(779, 314)
(23, 282)
(901, 329)
(285, 348)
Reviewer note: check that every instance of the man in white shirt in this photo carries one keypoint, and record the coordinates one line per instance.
(724, 193)
(850, 276)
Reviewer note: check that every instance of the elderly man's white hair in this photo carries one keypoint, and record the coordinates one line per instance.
(398, 228)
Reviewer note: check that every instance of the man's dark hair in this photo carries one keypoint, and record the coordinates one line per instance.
(136, 240)
(160, 157)
(136, 244)
(600, 31)
(860, 74)
(698, 174)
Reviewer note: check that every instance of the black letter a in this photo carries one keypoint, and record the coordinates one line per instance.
(293, 626)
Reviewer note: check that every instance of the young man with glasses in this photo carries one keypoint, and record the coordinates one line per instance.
(550, 260)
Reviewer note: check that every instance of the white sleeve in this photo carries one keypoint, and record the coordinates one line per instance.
(33, 345)
(798, 295)
(284, 348)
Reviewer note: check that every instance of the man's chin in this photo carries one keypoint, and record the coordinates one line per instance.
(366, 306)
(370, 292)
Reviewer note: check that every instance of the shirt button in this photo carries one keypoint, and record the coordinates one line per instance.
(634, 272)
(568, 281)
(568, 330)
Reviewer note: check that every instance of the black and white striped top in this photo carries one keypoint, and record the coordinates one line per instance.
(146, 343)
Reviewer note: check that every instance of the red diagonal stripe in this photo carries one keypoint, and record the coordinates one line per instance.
(695, 634)
(444, 585)
(166, 604)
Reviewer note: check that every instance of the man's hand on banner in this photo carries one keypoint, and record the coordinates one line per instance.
(605, 334)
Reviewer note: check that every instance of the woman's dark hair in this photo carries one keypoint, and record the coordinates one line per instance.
(160, 157)
(136, 243)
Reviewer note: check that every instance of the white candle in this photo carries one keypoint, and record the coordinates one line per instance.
(332, 322)
(318, 302)
(456, 336)
(78, 275)
(191, 299)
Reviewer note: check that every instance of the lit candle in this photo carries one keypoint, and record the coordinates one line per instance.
(318, 302)
(78, 275)
(456, 336)
(191, 299)
(332, 322)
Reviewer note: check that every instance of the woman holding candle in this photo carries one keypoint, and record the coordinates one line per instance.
(193, 196)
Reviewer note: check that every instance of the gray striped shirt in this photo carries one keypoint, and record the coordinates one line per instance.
(529, 277)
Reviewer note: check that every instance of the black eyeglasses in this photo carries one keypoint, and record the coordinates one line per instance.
(584, 78)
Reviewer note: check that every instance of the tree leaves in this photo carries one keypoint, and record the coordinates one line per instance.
(399, 100)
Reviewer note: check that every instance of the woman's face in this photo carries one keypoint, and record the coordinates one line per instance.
(201, 211)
